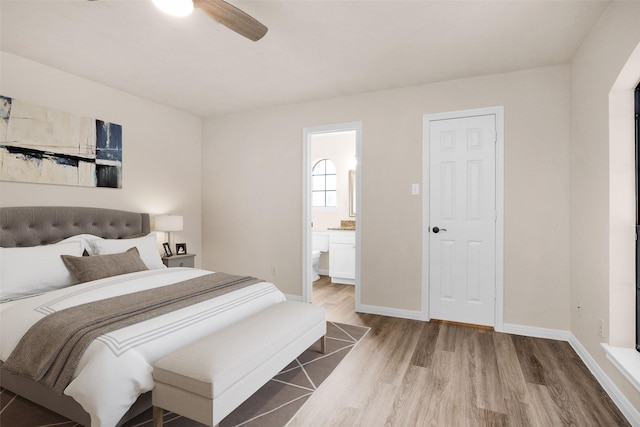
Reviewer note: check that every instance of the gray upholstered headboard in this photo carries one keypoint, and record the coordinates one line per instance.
(41, 225)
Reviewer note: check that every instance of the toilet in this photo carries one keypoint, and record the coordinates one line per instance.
(320, 243)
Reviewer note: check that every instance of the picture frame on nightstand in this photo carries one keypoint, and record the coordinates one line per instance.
(181, 248)
(167, 249)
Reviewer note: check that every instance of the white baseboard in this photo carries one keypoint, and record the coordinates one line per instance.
(625, 406)
(532, 331)
(391, 312)
(293, 297)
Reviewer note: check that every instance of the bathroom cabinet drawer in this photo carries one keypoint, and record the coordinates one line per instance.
(342, 237)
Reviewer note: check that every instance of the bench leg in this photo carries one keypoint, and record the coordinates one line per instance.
(157, 416)
(323, 344)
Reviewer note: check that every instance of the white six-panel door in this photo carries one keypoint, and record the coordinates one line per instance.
(462, 219)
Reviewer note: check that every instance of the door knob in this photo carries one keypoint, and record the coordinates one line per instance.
(437, 230)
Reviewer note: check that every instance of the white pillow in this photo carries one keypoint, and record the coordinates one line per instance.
(33, 270)
(85, 239)
(147, 247)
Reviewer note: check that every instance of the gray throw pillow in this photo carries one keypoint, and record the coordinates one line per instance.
(87, 268)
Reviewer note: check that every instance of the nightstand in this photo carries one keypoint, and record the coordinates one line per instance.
(185, 260)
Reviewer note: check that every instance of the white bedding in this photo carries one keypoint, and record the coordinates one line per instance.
(116, 368)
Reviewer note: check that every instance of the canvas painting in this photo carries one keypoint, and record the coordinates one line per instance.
(47, 146)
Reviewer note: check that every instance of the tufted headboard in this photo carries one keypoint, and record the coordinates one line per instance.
(41, 225)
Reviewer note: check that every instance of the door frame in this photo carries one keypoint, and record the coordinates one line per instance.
(307, 209)
(499, 182)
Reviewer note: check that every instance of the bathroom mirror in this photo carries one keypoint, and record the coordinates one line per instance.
(352, 193)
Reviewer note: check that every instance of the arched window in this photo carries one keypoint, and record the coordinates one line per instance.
(324, 184)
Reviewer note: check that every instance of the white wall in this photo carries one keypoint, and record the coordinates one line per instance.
(161, 146)
(254, 219)
(602, 189)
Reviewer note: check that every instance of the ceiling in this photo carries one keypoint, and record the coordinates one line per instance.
(313, 50)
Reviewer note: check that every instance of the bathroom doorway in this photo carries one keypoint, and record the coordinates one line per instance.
(331, 206)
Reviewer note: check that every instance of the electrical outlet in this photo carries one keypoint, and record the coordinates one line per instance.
(274, 270)
(601, 328)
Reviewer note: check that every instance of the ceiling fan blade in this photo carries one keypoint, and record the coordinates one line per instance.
(232, 17)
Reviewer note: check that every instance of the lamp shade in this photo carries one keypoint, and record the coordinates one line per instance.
(169, 222)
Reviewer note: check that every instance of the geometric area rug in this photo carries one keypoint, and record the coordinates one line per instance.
(273, 405)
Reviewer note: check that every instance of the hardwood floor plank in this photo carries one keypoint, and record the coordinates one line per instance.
(439, 377)
(422, 393)
(529, 365)
(518, 413)
(382, 399)
(406, 406)
(511, 376)
(447, 336)
(458, 403)
(543, 411)
(423, 354)
(490, 392)
(492, 419)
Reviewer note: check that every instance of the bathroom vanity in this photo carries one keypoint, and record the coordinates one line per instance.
(342, 256)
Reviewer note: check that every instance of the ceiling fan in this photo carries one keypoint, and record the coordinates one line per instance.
(223, 12)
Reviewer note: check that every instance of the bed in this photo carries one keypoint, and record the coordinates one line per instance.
(112, 381)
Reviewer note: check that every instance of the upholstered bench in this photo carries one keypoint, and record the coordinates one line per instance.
(206, 380)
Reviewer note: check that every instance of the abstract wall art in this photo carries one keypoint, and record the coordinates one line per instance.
(47, 146)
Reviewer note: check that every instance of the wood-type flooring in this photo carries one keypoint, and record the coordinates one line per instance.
(413, 373)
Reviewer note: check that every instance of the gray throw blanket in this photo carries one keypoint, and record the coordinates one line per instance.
(51, 349)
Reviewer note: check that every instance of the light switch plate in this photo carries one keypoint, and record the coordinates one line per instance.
(415, 189)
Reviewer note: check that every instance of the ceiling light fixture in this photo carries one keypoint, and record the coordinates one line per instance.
(175, 7)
